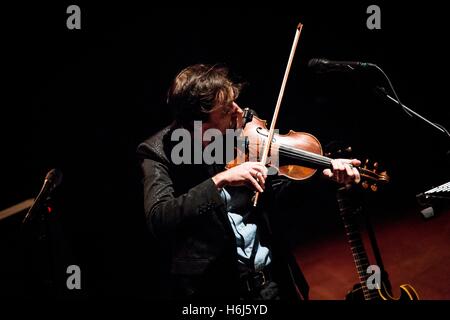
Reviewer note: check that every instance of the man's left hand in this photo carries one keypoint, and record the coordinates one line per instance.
(344, 171)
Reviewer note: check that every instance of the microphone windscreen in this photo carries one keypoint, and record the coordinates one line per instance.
(54, 176)
(313, 62)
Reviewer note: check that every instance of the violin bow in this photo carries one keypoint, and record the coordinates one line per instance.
(277, 107)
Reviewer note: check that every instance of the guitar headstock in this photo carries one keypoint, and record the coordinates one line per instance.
(372, 174)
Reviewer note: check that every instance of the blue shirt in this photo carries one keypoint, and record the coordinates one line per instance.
(245, 238)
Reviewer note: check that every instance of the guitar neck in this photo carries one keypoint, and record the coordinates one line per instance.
(349, 217)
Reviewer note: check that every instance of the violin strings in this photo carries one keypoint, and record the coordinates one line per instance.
(321, 160)
(294, 153)
(308, 160)
(315, 158)
(304, 155)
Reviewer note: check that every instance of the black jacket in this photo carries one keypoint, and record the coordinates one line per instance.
(187, 216)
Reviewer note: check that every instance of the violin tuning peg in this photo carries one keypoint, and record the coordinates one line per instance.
(375, 166)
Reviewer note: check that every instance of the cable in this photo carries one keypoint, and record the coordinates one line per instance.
(407, 110)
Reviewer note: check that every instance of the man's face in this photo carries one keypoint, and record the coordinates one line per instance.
(225, 117)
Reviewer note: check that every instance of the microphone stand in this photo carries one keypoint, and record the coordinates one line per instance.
(405, 108)
(36, 242)
(412, 112)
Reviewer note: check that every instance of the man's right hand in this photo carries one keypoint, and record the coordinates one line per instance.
(250, 174)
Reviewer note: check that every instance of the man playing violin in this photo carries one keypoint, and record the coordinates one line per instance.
(212, 244)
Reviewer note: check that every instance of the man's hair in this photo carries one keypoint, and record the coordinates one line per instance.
(198, 89)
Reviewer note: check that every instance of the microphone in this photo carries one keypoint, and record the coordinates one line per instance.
(324, 65)
(52, 180)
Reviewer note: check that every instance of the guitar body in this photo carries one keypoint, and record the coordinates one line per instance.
(407, 292)
(349, 212)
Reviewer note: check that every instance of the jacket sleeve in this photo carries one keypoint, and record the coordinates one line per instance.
(164, 211)
(278, 184)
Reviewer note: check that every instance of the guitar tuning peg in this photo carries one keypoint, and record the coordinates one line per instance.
(375, 165)
(349, 149)
(365, 184)
(366, 163)
(374, 187)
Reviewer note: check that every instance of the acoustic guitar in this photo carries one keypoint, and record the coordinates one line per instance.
(349, 213)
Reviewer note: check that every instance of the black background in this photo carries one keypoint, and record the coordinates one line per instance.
(82, 100)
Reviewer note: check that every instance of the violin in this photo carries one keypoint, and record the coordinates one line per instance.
(296, 155)
(296, 146)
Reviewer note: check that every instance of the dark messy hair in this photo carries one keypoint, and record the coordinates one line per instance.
(198, 89)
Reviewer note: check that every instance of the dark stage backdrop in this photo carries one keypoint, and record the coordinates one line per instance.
(82, 100)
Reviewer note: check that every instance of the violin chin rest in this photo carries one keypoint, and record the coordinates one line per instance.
(272, 171)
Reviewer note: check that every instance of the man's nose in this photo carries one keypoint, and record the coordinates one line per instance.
(237, 109)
